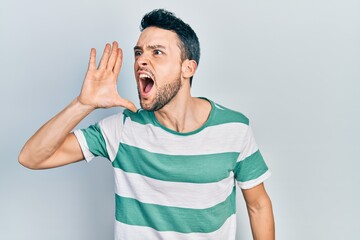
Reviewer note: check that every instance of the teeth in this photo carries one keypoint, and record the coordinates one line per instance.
(143, 75)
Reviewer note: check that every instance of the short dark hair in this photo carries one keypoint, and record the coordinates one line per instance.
(189, 42)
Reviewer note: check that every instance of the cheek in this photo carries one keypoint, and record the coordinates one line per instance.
(169, 70)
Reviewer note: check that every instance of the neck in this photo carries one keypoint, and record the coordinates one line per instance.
(184, 113)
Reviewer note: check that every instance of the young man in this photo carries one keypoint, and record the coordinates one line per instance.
(178, 159)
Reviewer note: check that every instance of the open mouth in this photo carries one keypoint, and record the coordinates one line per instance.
(146, 82)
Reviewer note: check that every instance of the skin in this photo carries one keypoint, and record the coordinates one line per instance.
(183, 113)
(156, 53)
(158, 58)
(260, 212)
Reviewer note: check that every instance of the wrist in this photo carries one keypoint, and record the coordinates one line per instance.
(81, 106)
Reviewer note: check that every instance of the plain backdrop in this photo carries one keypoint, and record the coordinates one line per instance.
(293, 67)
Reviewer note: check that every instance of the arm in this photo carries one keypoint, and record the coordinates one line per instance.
(53, 145)
(260, 212)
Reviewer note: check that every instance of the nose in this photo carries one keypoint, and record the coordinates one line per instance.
(142, 60)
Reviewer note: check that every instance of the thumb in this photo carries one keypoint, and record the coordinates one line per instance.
(126, 104)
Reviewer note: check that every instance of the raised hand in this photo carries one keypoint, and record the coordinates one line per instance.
(99, 89)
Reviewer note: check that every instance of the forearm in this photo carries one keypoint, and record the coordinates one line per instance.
(44, 143)
(53, 145)
(262, 220)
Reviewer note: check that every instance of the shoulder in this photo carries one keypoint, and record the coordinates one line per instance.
(222, 115)
(140, 116)
(117, 122)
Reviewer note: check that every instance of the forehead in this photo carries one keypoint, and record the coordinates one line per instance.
(153, 36)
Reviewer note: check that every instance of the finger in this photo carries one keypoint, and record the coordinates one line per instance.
(113, 56)
(92, 60)
(105, 56)
(118, 62)
(126, 104)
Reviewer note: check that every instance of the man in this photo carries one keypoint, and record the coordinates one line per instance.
(178, 159)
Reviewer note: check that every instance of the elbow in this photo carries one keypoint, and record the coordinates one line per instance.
(23, 161)
(260, 205)
(26, 161)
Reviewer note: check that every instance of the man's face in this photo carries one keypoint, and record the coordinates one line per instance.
(157, 67)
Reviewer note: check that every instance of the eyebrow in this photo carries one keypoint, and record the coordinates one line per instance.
(150, 47)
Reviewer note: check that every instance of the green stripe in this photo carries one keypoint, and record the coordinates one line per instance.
(184, 220)
(141, 116)
(224, 115)
(95, 140)
(218, 115)
(176, 168)
(250, 168)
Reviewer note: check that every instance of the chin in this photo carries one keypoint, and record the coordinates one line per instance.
(146, 105)
(151, 106)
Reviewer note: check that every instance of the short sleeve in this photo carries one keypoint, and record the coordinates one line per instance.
(250, 168)
(92, 142)
(101, 139)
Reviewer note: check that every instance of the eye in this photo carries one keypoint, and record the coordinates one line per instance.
(158, 52)
(137, 53)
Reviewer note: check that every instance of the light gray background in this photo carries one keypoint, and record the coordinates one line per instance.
(291, 66)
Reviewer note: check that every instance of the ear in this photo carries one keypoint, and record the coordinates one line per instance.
(188, 68)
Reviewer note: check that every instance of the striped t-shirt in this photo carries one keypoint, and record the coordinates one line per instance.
(176, 186)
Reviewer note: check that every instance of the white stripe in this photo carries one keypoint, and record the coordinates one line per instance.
(220, 138)
(83, 145)
(254, 182)
(249, 145)
(175, 194)
(111, 129)
(124, 231)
